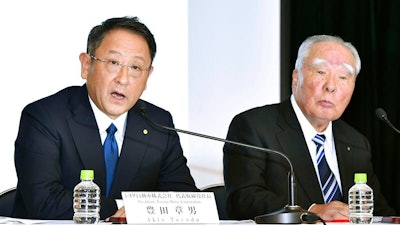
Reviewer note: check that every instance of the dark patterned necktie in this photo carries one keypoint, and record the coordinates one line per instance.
(330, 186)
(110, 155)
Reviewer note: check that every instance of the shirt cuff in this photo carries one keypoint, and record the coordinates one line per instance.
(120, 203)
(311, 206)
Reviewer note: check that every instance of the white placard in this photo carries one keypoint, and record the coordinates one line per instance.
(170, 207)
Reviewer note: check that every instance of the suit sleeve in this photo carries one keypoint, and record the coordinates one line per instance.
(37, 161)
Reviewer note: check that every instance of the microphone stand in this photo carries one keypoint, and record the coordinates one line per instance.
(291, 213)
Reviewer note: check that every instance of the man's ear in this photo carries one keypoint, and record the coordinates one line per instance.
(85, 64)
(295, 76)
(150, 71)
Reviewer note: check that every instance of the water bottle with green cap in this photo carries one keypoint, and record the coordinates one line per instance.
(361, 200)
(86, 199)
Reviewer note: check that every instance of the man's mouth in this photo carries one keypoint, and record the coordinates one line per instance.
(117, 95)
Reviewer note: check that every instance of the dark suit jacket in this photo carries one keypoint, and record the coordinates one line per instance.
(257, 182)
(58, 136)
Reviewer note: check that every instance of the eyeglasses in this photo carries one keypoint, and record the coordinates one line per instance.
(113, 66)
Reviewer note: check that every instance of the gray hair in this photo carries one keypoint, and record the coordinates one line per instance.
(305, 48)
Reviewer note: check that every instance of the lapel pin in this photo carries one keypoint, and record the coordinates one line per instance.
(145, 131)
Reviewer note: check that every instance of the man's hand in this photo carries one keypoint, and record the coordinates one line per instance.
(119, 214)
(331, 211)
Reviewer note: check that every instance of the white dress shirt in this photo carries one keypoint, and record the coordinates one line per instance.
(309, 132)
(103, 122)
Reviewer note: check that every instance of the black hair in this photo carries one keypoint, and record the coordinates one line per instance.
(132, 24)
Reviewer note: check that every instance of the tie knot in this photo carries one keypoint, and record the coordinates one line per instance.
(111, 129)
(319, 139)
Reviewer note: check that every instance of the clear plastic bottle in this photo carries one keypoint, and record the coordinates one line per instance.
(361, 200)
(86, 199)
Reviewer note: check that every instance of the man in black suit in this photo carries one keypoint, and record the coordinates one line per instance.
(323, 82)
(63, 133)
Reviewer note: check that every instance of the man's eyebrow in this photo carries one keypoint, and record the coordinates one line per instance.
(349, 68)
(318, 61)
(136, 58)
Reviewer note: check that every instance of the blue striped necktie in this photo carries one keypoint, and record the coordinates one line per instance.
(110, 147)
(330, 186)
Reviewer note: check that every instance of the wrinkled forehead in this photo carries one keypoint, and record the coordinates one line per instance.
(317, 62)
(332, 54)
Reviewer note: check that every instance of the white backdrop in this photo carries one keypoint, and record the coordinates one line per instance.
(215, 58)
(234, 52)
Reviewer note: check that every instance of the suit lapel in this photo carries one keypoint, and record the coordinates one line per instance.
(344, 158)
(133, 151)
(291, 139)
(86, 136)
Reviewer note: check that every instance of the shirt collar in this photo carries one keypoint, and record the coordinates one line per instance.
(103, 121)
(308, 130)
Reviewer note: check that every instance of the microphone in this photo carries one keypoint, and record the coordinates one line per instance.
(381, 114)
(290, 214)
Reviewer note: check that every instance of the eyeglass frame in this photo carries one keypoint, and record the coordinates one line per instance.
(131, 69)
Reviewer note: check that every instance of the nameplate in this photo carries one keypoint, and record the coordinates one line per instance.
(170, 207)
